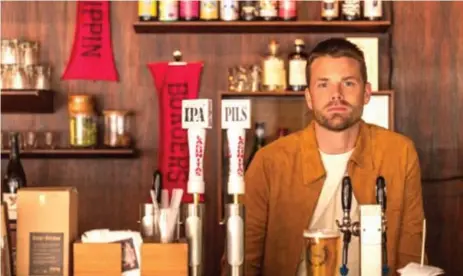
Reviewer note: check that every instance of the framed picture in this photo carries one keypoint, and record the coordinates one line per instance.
(370, 48)
(380, 109)
(6, 251)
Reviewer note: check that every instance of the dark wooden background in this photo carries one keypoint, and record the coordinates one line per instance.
(422, 62)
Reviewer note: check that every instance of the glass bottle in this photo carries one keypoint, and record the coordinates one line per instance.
(14, 178)
(282, 132)
(229, 10)
(297, 67)
(351, 10)
(273, 66)
(287, 10)
(168, 10)
(259, 141)
(248, 10)
(209, 10)
(147, 10)
(330, 10)
(189, 10)
(268, 9)
(373, 9)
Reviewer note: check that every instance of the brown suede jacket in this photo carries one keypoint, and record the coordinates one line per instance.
(284, 182)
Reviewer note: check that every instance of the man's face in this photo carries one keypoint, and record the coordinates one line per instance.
(337, 92)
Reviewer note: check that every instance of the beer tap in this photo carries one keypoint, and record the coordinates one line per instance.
(346, 227)
(236, 119)
(373, 253)
(196, 118)
(381, 199)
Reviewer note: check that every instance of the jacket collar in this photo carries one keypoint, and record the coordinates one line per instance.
(362, 155)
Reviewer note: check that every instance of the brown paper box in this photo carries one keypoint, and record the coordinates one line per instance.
(46, 229)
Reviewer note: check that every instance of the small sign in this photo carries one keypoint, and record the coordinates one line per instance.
(197, 113)
(236, 114)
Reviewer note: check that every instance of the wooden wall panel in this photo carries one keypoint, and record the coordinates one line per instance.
(443, 204)
(110, 190)
(427, 39)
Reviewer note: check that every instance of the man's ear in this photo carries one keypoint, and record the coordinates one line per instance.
(367, 94)
(308, 98)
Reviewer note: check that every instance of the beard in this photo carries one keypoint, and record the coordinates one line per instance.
(338, 121)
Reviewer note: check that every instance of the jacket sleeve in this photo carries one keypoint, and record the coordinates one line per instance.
(256, 202)
(411, 229)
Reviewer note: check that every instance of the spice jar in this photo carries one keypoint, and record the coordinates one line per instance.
(6, 76)
(42, 78)
(19, 77)
(31, 75)
(117, 128)
(29, 53)
(83, 121)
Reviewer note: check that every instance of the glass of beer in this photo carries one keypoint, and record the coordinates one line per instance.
(321, 254)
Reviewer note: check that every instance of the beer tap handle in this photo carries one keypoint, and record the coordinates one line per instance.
(346, 195)
(346, 201)
(381, 199)
(381, 193)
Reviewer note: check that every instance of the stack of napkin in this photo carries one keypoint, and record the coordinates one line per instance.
(415, 269)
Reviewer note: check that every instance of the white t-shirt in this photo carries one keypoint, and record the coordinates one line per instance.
(329, 208)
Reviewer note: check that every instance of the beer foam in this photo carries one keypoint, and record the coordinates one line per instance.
(321, 233)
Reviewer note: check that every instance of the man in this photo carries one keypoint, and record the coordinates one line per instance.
(294, 183)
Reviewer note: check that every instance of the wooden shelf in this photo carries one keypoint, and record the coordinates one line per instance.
(263, 27)
(27, 101)
(71, 153)
(283, 94)
(262, 94)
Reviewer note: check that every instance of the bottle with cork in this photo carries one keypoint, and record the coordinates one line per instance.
(273, 66)
(297, 67)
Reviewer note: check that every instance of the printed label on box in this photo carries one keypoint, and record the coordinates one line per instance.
(46, 254)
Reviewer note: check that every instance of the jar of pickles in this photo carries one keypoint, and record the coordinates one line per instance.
(117, 128)
(82, 121)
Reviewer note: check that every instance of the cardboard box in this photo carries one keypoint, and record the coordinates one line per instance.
(46, 230)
